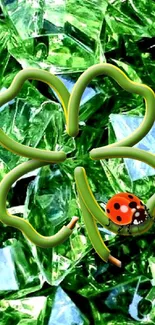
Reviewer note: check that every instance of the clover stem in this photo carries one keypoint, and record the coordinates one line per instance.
(115, 261)
(72, 223)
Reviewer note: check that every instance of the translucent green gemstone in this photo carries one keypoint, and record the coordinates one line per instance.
(23, 311)
(19, 271)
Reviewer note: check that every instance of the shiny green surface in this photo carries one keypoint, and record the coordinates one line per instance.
(121, 33)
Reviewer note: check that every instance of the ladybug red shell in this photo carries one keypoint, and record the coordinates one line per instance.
(126, 208)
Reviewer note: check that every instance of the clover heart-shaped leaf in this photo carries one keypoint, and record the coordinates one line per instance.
(12, 91)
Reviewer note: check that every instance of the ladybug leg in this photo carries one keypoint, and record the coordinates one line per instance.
(120, 228)
(148, 211)
(149, 215)
(129, 232)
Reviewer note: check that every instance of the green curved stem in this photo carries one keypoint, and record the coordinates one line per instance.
(12, 91)
(94, 235)
(22, 224)
(93, 232)
(151, 205)
(125, 83)
(123, 152)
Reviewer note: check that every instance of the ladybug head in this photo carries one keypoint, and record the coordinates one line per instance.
(139, 216)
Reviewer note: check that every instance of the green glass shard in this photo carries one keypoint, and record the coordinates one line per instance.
(65, 311)
(4, 55)
(19, 271)
(26, 311)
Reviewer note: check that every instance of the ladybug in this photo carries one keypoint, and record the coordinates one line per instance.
(126, 209)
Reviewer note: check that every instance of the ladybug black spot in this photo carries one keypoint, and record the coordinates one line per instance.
(130, 196)
(116, 206)
(108, 210)
(132, 204)
(119, 218)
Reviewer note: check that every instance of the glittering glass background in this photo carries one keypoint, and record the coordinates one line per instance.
(70, 284)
